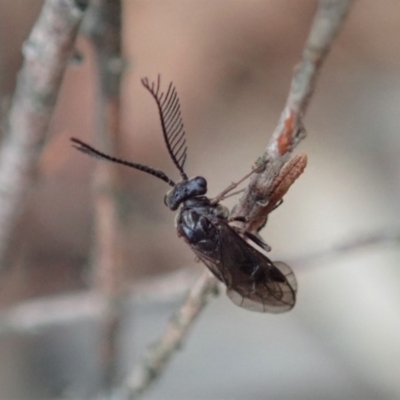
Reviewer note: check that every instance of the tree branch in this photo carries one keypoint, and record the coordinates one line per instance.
(389, 236)
(36, 316)
(156, 361)
(104, 29)
(46, 54)
(327, 22)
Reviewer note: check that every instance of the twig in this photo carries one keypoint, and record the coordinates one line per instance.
(105, 16)
(104, 29)
(161, 352)
(36, 316)
(166, 287)
(46, 55)
(360, 242)
(289, 132)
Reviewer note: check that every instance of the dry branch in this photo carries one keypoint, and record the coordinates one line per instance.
(103, 27)
(46, 54)
(36, 316)
(327, 22)
(161, 352)
(389, 236)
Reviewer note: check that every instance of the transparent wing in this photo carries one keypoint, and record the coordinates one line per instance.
(268, 296)
(255, 282)
(213, 265)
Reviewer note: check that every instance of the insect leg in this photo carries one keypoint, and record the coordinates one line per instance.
(258, 240)
(254, 237)
(233, 194)
(232, 186)
(238, 219)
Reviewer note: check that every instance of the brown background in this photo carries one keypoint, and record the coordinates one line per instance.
(231, 61)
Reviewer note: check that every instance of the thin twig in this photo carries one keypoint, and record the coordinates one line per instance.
(36, 316)
(327, 22)
(104, 30)
(161, 352)
(389, 236)
(166, 287)
(46, 54)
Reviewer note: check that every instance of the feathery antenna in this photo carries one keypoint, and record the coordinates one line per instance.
(171, 122)
(89, 150)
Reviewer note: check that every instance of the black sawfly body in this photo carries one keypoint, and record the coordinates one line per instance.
(236, 258)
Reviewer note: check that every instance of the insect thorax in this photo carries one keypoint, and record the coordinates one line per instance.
(199, 209)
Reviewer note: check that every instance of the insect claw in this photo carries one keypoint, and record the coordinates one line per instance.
(258, 240)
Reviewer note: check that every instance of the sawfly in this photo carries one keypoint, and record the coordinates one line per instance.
(235, 257)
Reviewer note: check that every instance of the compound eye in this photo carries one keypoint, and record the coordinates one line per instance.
(201, 182)
(199, 185)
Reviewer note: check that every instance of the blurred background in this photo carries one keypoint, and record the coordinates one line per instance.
(231, 61)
